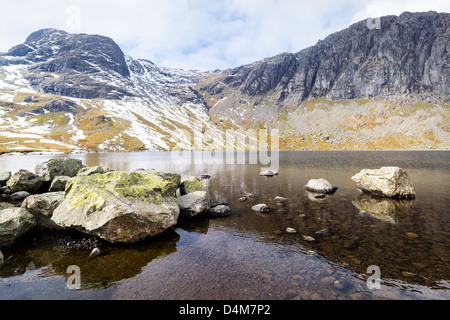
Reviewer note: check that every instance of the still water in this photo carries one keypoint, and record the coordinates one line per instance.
(249, 255)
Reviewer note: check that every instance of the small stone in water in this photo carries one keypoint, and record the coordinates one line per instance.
(291, 230)
(96, 252)
(339, 284)
(308, 238)
(243, 199)
(412, 234)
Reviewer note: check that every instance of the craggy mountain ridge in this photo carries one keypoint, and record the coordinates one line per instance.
(359, 88)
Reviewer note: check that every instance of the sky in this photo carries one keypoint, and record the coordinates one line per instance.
(199, 34)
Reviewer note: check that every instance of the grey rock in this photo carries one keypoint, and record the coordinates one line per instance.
(4, 177)
(52, 168)
(320, 186)
(309, 238)
(19, 196)
(41, 206)
(93, 170)
(392, 182)
(24, 180)
(339, 284)
(243, 199)
(96, 252)
(120, 206)
(220, 210)
(268, 172)
(357, 62)
(194, 203)
(193, 184)
(5, 190)
(14, 223)
(261, 207)
(280, 199)
(291, 230)
(59, 183)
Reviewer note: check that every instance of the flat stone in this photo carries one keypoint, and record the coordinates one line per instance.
(261, 207)
(320, 186)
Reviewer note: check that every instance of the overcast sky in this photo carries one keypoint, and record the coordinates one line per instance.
(199, 34)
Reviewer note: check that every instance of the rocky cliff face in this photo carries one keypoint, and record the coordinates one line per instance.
(407, 54)
(358, 88)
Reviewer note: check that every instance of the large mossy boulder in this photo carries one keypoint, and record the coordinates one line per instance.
(392, 182)
(24, 180)
(41, 206)
(14, 223)
(52, 168)
(120, 206)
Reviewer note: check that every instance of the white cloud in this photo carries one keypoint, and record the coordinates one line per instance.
(199, 34)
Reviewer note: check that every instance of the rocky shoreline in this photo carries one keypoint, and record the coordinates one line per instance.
(124, 207)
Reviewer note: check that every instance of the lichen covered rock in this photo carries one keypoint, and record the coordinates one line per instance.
(59, 183)
(41, 206)
(120, 206)
(194, 184)
(48, 170)
(24, 180)
(392, 182)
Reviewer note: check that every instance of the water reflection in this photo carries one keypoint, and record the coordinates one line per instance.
(251, 256)
(386, 209)
(117, 263)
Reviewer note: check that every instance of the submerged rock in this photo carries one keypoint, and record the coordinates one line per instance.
(291, 230)
(52, 168)
(268, 172)
(220, 210)
(120, 206)
(308, 238)
(194, 203)
(59, 183)
(321, 186)
(261, 207)
(41, 206)
(280, 199)
(392, 182)
(24, 180)
(314, 196)
(14, 223)
(96, 252)
(386, 209)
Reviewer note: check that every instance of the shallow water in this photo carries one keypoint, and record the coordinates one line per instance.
(249, 255)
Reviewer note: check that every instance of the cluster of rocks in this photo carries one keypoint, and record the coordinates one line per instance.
(386, 182)
(117, 206)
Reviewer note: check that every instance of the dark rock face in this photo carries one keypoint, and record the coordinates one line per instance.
(408, 54)
(80, 61)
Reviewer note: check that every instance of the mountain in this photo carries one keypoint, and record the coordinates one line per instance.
(359, 88)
